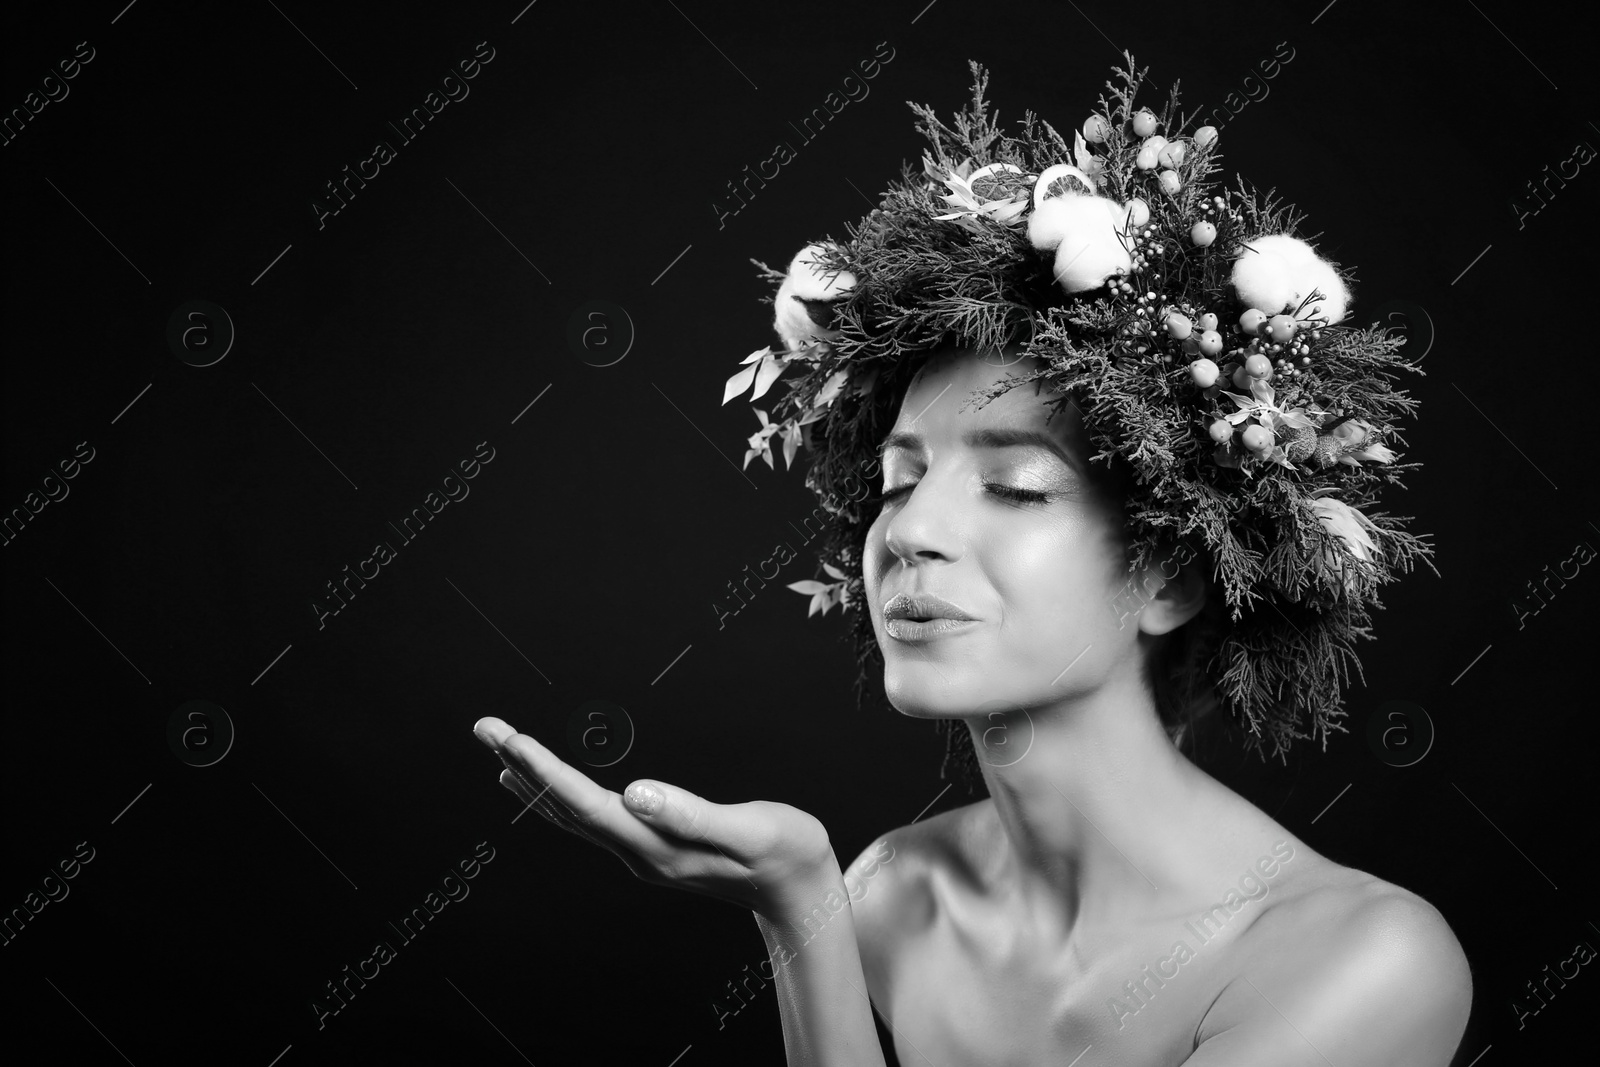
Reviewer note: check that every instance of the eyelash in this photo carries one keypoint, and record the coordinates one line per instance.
(1005, 492)
(1023, 496)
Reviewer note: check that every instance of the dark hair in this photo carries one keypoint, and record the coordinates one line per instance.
(1178, 673)
(1294, 539)
(1178, 670)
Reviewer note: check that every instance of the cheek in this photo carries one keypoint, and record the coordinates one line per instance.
(874, 555)
(875, 561)
(1055, 579)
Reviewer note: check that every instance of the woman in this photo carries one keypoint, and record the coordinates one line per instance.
(1109, 902)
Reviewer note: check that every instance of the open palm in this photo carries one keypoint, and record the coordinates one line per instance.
(761, 855)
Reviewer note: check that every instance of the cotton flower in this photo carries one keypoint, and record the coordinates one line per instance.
(1276, 273)
(1084, 233)
(802, 311)
(802, 317)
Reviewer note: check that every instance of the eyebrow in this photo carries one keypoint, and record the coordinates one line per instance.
(995, 437)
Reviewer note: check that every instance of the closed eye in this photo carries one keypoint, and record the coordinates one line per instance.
(1005, 492)
(1010, 492)
(892, 495)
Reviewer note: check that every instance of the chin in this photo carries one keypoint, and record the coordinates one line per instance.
(914, 701)
(921, 686)
(1005, 725)
(921, 683)
(919, 689)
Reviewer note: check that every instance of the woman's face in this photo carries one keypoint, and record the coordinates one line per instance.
(1008, 530)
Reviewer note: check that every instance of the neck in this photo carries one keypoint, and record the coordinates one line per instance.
(1103, 818)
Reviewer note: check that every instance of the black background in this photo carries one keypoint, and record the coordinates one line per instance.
(588, 553)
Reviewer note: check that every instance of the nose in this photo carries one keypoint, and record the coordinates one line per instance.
(921, 528)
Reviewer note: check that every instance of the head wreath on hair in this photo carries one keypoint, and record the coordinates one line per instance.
(1207, 345)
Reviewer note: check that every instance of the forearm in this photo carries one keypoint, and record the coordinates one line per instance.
(822, 992)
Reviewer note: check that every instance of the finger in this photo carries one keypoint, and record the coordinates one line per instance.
(547, 810)
(589, 805)
(536, 790)
(537, 795)
(687, 816)
(492, 731)
(509, 779)
(683, 815)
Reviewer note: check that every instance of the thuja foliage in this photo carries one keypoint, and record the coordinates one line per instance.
(1296, 592)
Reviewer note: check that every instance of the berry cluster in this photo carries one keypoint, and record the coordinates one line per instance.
(1172, 249)
(1205, 345)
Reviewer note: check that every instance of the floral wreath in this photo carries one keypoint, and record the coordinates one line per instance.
(1203, 342)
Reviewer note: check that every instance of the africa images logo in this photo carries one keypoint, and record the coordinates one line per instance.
(1140, 991)
(452, 886)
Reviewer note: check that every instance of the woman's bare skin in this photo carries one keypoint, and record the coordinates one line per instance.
(1042, 925)
(1003, 931)
(956, 968)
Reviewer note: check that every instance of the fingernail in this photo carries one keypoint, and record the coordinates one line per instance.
(644, 798)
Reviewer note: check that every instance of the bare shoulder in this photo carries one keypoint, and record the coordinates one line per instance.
(892, 883)
(1334, 905)
(1335, 956)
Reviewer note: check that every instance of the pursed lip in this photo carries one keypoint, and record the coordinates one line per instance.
(917, 606)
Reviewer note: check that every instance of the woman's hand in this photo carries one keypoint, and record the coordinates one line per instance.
(771, 858)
